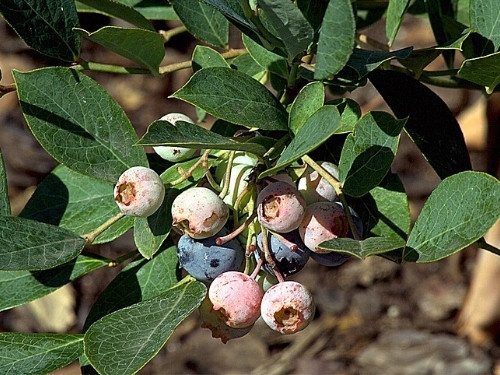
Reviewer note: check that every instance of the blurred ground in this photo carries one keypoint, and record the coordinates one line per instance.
(373, 316)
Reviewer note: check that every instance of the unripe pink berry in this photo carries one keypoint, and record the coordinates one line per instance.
(199, 212)
(315, 188)
(323, 221)
(287, 307)
(174, 153)
(211, 319)
(280, 207)
(236, 297)
(139, 192)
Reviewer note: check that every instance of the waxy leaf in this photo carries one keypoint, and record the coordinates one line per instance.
(395, 13)
(141, 46)
(235, 97)
(434, 129)
(265, 58)
(118, 10)
(313, 11)
(336, 39)
(206, 57)
(45, 25)
(174, 172)
(4, 194)
(203, 21)
(316, 130)
(76, 202)
(350, 113)
(309, 100)
(20, 287)
(125, 340)
(457, 213)
(150, 232)
(246, 64)
(289, 24)
(139, 281)
(37, 353)
(364, 61)
(364, 248)
(30, 245)
(151, 9)
(193, 136)
(483, 70)
(368, 152)
(78, 122)
(484, 18)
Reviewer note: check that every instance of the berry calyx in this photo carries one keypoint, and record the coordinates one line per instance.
(139, 192)
(287, 307)
(199, 212)
(236, 297)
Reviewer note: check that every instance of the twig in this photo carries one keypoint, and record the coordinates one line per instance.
(227, 175)
(169, 34)
(5, 89)
(91, 236)
(231, 236)
(486, 246)
(186, 174)
(108, 68)
(130, 255)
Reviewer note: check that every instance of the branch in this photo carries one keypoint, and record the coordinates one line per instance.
(5, 89)
(169, 34)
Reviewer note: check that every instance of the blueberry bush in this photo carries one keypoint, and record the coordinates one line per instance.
(282, 177)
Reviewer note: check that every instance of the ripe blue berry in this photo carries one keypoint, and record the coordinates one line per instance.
(173, 153)
(287, 307)
(139, 192)
(289, 261)
(205, 260)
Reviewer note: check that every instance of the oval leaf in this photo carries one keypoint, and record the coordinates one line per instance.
(141, 46)
(484, 18)
(203, 21)
(336, 39)
(36, 353)
(77, 203)
(206, 57)
(125, 340)
(20, 287)
(235, 97)
(265, 58)
(317, 129)
(484, 71)
(364, 248)
(395, 13)
(78, 122)
(434, 129)
(45, 25)
(309, 100)
(364, 61)
(30, 245)
(139, 281)
(457, 213)
(4, 194)
(367, 153)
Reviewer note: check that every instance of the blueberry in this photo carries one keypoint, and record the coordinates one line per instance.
(287, 260)
(331, 259)
(204, 260)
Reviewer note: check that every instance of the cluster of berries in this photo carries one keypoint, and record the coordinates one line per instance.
(284, 227)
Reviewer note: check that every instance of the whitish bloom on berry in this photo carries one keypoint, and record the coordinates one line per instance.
(173, 153)
(315, 188)
(139, 192)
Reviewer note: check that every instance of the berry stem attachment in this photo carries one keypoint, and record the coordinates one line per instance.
(231, 236)
(186, 174)
(91, 236)
(257, 268)
(292, 246)
(227, 176)
(338, 189)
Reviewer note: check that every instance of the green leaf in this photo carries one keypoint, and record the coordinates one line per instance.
(139, 281)
(350, 113)
(316, 130)
(30, 245)
(235, 97)
(173, 173)
(434, 129)
(457, 213)
(45, 25)
(78, 122)
(419, 59)
(336, 39)
(439, 12)
(125, 340)
(246, 64)
(290, 25)
(76, 202)
(116, 9)
(151, 9)
(368, 152)
(309, 100)
(150, 232)
(483, 70)
(364, 61)
(484, 18)
(20, 287)
(265, 58)
(203, 21)
(193, 136)
(395, 13)
(37, 353)
(206, 57)
(141, 46)
(313, 11)
(4, 194)
(364, 248)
